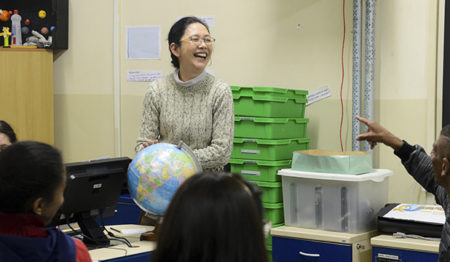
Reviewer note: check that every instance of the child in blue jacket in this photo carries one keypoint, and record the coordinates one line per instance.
(32, 182)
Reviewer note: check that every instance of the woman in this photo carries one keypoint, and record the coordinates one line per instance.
(190, 105)
(213, 217)
(7, 135)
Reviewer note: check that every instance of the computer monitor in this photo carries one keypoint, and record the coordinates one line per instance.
(93, 190)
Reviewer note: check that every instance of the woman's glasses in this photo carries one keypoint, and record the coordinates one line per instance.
(195, 39)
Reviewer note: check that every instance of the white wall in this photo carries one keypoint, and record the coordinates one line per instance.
(258, 43)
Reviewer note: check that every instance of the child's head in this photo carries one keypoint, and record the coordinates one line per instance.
(32, 179)
(7, 135)
(213, 217)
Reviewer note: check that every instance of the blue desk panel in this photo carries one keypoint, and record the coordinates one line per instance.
(287, 250)
(144, 257)
(127, 212)
(382, 254)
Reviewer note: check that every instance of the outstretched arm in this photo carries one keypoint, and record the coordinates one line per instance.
(376, 133)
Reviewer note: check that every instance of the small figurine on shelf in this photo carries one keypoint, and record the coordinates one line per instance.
(4, 15)
(6, 34)
(38, 40)
(16, 39)
(42, 14)
(44, 30)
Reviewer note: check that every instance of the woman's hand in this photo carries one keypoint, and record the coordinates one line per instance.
(149, 143)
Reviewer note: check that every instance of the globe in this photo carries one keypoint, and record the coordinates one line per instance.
(156, 172)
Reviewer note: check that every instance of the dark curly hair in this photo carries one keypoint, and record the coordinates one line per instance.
(177, 31)
(213, 217)
(446, 132)
(28, 170)
(6, 129)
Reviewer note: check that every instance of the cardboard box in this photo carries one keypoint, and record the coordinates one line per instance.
(323, 161)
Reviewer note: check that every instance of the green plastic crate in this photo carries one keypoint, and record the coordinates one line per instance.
(274, 212)
(269, 106)
(269, 101)
(272, 91)
(269, 253)
(265, 149)
(258, 170)
(270, 128)
(271, 191)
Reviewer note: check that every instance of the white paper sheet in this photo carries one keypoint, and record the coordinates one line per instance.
(143, 75)
(143, 42)
(209, 20)
(318, 95)
(421, 213)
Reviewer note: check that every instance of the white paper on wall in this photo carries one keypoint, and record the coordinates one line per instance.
(143, 75)
(143, 42)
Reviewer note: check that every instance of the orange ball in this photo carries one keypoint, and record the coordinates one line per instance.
(44, 30)
(5, 15)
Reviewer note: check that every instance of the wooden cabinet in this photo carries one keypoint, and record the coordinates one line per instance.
(26, 92)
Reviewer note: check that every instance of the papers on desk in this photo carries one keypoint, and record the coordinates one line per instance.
(420, 213)
(129, 231)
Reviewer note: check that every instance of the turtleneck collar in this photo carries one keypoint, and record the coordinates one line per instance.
(21, 224)
(191, 82)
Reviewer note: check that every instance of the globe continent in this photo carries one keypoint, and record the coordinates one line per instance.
(155, 174)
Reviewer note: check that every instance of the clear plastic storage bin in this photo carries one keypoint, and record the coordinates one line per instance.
(336, 202)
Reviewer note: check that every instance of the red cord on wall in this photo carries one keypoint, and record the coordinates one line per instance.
(342, 78)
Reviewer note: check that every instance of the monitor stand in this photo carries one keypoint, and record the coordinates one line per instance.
(93, 235)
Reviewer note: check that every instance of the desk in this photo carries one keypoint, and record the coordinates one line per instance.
(141, 250)
(388, 248)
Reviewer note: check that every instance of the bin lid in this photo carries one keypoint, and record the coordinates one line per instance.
(377, 175)
(277, 120)
(286, 141)
(266, 184)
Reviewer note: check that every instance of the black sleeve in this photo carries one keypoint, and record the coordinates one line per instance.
(405, 151)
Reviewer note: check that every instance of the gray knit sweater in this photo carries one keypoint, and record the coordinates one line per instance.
(201, 115)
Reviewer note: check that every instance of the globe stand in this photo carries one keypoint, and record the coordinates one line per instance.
(153, 234)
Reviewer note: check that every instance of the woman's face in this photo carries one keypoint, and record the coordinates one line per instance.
(4, 141)
(193, 52)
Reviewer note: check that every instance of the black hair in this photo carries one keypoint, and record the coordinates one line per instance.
(177, 31)
(446, 132)
(28, 170)
(6, 129)
(213, 217)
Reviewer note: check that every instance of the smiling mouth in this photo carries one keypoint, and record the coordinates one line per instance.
(200, 55)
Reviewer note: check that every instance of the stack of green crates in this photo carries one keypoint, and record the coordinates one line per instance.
(269, 127)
